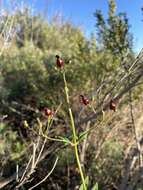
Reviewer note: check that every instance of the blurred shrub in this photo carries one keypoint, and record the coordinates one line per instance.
(105, 170)
(11, 149)
(28, 66)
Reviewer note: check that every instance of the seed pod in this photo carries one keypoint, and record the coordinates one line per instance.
(48, 112)
(112, 105)
(59, 62)
(84, 100)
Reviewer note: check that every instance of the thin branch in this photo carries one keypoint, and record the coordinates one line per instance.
(26, 169)
(118, 96)
(135, 131)
(46, 175)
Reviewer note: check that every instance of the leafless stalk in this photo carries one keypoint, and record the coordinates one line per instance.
(84, 146)
(46, 175)
(135, 131)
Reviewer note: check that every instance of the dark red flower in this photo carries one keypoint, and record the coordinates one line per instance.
(48, 112)
(59, 62)
(84, 100)
(112, 105)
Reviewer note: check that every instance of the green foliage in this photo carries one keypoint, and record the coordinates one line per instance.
(108, 164)
(112, 149)
(66, 157)
(10, 147)
(95, 187)
(28, 67)
(114, 32)
(86, 182)
(24, 73)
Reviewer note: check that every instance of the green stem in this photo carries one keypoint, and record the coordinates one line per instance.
(74, 133)
(46, 136)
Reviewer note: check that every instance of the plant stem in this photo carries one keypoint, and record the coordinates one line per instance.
(74, 133)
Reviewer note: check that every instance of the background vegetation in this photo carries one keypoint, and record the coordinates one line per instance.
(102, 67)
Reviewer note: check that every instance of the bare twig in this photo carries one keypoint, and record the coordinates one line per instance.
(84, 146)
(118, 96)
(135, 131)
(46, 175)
